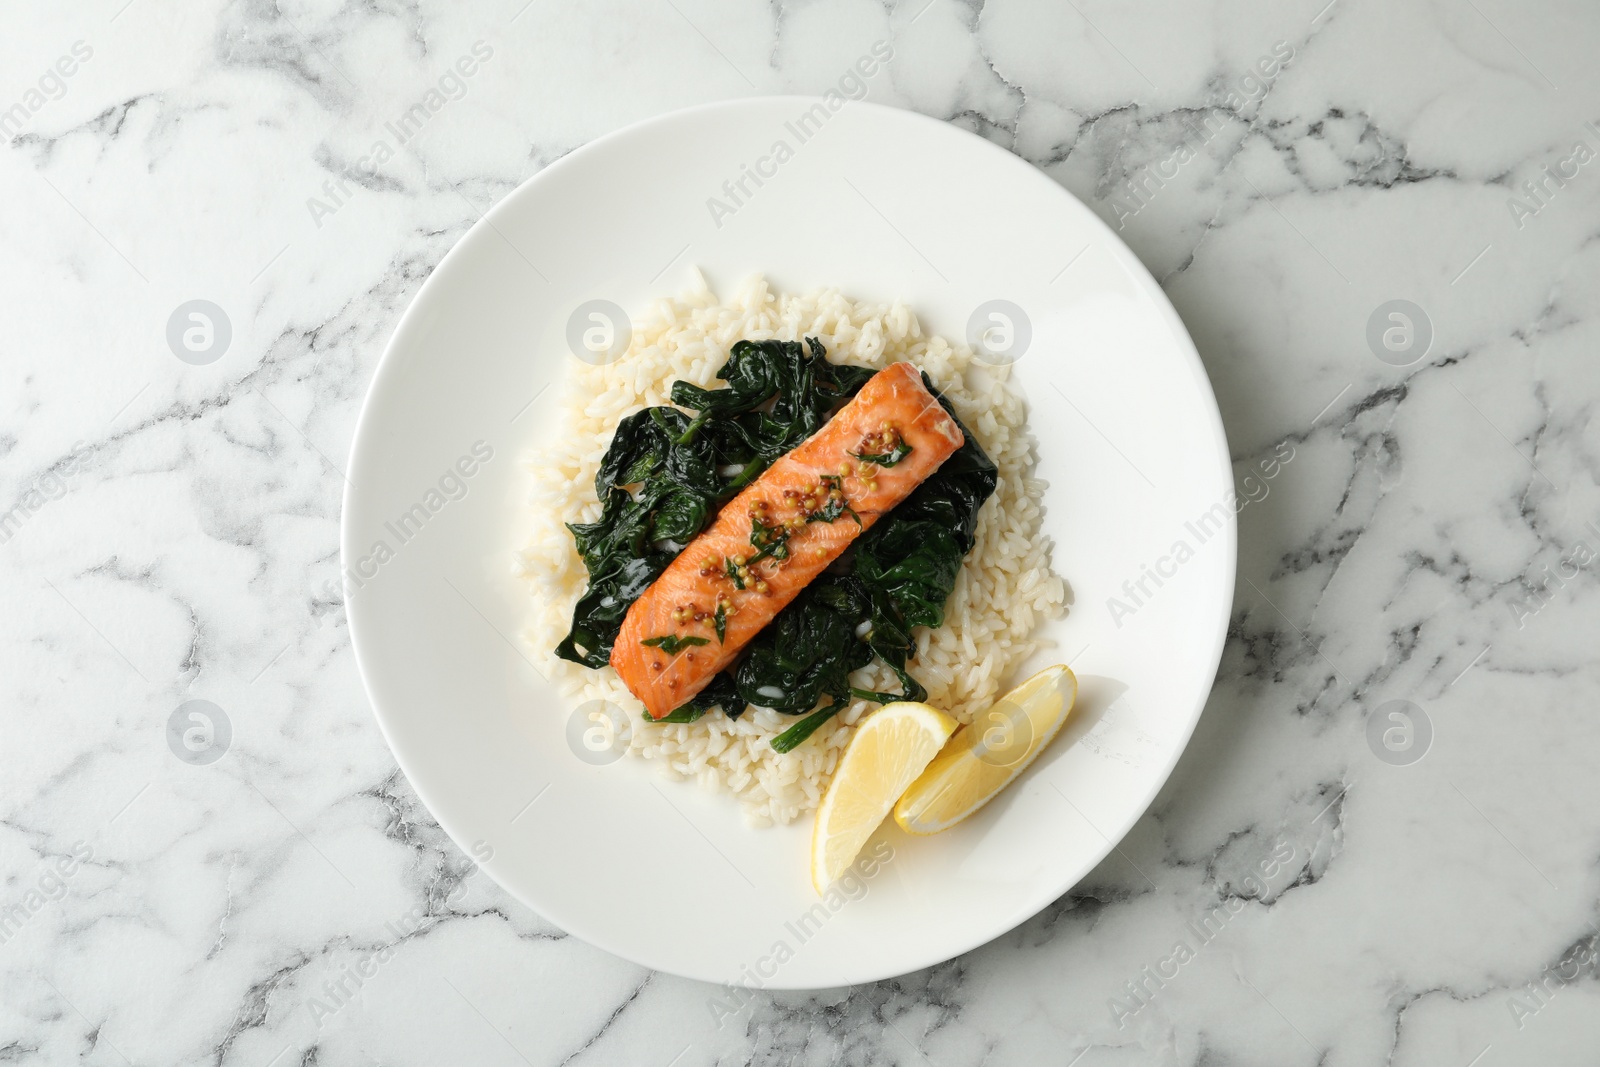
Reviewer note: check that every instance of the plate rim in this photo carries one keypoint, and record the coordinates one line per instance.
(387, 364)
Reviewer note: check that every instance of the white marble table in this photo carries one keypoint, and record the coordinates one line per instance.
(1298, 894)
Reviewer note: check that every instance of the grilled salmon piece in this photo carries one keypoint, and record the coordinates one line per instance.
(782, 531)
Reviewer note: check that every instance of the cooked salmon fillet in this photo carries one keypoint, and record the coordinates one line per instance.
(778, 534)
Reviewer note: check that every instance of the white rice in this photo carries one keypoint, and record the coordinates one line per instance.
(1005, 585)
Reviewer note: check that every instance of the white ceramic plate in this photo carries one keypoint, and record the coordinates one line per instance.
(885, 204)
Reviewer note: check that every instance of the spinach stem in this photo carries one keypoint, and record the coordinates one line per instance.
(796, 735)
(694, 428)
(751, 471)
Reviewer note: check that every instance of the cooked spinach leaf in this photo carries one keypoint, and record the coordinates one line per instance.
(902, 572)
(808, 651)
(778, 394)
(660, 482)
(719, 692)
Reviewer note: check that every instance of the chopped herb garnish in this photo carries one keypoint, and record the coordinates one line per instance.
(722, 622)
(733, 572)
(672, 644)
(768, 540)
(885, 459)
(835, 506)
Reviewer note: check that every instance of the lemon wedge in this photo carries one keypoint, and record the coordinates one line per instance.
(987, 755)
(886, 754)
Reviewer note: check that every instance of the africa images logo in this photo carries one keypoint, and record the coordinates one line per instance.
(1535, 194)
(851, 885)
(452, 485)
(852, 85)
(1137, 592)
(364, 172)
